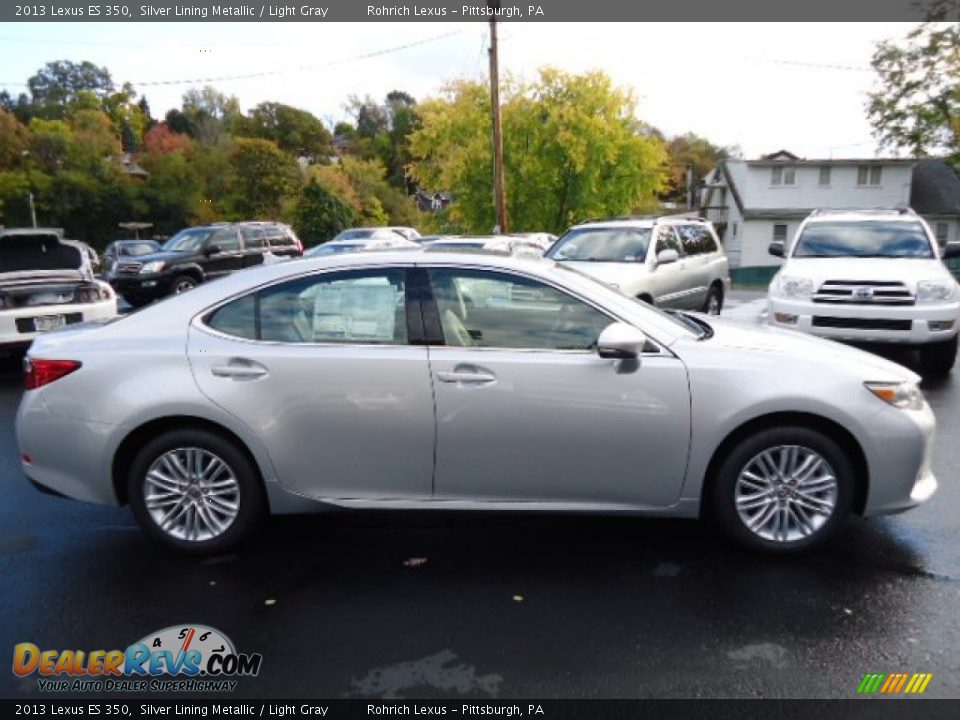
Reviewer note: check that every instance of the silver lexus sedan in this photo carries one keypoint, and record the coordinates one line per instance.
(464, 382)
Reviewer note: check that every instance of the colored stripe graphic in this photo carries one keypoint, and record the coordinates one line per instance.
(894, 683)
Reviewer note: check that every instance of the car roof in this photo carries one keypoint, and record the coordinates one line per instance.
(22, 232)
(641, 221)
(861, 216)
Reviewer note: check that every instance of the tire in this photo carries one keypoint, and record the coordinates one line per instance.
(748, 456)
(713, 304)
(646, 299)
(937, 359)
(182, 283)
(213, 529)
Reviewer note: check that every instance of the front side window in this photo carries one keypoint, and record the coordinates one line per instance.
(252, 237)
(225, 241)
(498, 310)
(611, 244)
(667, 240)
(865, 238)
(356, 307)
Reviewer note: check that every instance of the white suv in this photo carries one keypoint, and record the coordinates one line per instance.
(669, 261)
(873, 276)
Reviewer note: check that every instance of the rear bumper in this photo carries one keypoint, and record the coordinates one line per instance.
(17, 327)
(898, 325)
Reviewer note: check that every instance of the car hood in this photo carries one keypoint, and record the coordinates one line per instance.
(611, 273)
(27, 257)
(906, 270)
(739, 335)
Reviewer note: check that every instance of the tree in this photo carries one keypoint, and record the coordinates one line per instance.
(319, 214)
(261, 176)
(916, 106)
(14, 140)
(160, 140)
(695, 152)
(58, 84)
(172, 192)
(573, 148)
(292, 129)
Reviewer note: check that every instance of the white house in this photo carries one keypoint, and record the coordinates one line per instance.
(752, 202)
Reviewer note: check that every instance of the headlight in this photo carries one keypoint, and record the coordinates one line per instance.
(152, 267)
(795, 287)
(904, 395)
(930, 291)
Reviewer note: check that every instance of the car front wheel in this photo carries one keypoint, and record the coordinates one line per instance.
(714, 301)
(195, 491)
(784, 490)
(182, 283)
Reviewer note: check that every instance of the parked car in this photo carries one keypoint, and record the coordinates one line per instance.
(541, 240)
(367, 381)
(379, 239)
(408, 233)
(197, 254)
(669, 261)
(46, 282)
(125, 249)
(872, 276)
(498, 244)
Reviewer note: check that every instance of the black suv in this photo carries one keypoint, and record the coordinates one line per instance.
(200, 253)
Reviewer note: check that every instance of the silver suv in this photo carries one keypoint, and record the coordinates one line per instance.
(670, 261)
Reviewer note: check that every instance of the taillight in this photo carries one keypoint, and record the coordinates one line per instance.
(37, 372)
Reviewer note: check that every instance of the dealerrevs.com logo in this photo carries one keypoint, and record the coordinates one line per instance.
(180, 658)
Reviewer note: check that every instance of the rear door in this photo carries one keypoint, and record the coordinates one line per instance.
(697, 243)
(322, 369)
(669, 280)
(254, 246)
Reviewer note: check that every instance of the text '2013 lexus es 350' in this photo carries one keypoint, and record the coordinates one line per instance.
(448, 381)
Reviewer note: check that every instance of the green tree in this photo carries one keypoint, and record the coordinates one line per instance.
(58, 85)
(916, 103)
(261, 176)
(14, 140)
(380, 202)
(573, 149)
(292, 129)
(172, 192)
(319, 214)
(695, 152)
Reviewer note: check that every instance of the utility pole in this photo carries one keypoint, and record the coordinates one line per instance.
(33, 211)
(499, 199)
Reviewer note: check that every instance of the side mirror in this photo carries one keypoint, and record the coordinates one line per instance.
(776, 248)
(665, 257)
(620, 341)
(211, 250)
(950, 250)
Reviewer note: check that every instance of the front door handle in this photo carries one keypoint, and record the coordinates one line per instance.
(476, 378)
(244, 370)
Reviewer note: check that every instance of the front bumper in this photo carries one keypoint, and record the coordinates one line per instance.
(899, 324)
(18, 327)
(148, 287)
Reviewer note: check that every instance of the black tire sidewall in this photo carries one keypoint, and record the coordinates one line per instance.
(179, 279)
(723, 504)
(252, 500)
(713, 292)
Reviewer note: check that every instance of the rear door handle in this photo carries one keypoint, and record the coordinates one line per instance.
(239, 370)
(476, 378)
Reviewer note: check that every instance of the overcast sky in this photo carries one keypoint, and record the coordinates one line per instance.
(762, 86)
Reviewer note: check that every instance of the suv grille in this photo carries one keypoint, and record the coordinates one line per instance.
(864, 292)
(128, 267)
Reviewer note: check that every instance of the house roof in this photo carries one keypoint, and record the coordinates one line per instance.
(935, 189)
(776, 213)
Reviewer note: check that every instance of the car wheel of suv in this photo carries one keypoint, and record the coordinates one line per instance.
(195, 491)
(182, 283)
(714, 302)
(938, 359)
(783, 490)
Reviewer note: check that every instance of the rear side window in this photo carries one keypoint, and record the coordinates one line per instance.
(696, 239)
(363, 307)
(253, 238)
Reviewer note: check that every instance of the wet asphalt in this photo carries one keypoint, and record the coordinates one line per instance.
(434, 605)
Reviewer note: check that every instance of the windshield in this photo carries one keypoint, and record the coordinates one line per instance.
(187, 240)
(332, 248)
(612, 244)
(356, 234)
(864, 238)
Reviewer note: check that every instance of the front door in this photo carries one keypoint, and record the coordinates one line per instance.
(527, 410)
(320, 368)
(222, 254)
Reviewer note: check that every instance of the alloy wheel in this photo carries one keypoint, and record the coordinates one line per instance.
(191, 494)
(786, 493)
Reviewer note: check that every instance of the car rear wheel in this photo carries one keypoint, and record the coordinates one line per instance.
(784, 490)
(714, 301)
(182, 283)
(938, 359)
(195, 491)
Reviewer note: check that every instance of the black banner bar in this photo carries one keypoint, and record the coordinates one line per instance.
(476, 11)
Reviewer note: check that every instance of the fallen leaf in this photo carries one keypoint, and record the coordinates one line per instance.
(518, 598)
(415, 561)
(269, 601)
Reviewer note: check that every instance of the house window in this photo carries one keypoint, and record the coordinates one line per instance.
(943, 233)
(733, 230)
(780, 232)
(780, 175)
(869, 175)
(824, 175)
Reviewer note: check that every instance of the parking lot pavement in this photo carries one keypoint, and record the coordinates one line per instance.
(451, 605)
